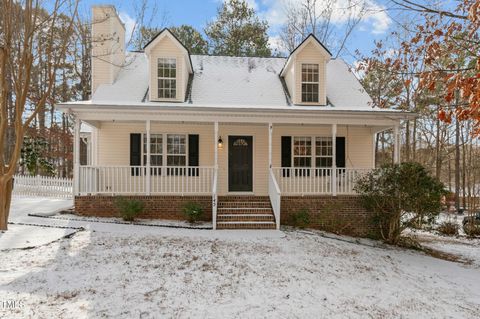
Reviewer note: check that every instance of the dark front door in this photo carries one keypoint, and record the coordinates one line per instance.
(240, 163)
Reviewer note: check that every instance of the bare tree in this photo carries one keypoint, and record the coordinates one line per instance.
(317, 17)
(22, 25)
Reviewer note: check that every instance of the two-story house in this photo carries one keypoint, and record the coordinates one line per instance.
(251, 139)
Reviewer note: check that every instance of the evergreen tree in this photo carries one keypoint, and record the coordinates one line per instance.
(191, 39)
(237, 31)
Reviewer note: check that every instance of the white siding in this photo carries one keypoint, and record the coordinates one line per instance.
(114, 145)
(167, 48)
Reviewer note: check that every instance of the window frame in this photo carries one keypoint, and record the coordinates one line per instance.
(313, 151)
(308, 83)
(328, 139)
(164, 149)
(165, 78)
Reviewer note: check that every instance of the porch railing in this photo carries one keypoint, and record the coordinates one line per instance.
(275, 196)
(214, 199)
(133, 180)
(311, 181)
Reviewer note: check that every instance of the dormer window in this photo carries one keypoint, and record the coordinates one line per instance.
(310, 83)
(167, 78)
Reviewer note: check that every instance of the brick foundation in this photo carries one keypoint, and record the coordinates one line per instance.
(161, 207)
(341, 214)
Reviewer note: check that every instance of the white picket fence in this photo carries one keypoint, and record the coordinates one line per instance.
(43, 186)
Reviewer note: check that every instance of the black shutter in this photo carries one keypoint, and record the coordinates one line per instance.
(193, 154)
(135, 152)
(286, 154)
(340, 158)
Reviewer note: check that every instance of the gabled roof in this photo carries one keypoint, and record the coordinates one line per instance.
(234, 82)
(167, 33)
(311, 38)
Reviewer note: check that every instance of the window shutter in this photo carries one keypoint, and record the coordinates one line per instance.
(340, 156)
(286, 154)
(135, 152)
(193, 154)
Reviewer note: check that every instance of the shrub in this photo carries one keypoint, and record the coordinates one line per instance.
(193, 211)
(471, 229)
(398, 194)
(129, 208)
(448, 228)
(301, 219)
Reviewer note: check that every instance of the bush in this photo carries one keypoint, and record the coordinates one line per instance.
(448, 228)
(398, 194)
(129, 208)
(193, 211)
(301, 219)
(471, 229)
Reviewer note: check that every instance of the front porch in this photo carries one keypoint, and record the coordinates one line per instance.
(237, 158)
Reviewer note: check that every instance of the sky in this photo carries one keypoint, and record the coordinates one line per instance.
(375, 25)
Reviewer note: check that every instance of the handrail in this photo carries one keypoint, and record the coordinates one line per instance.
(275, 197)
(214, 198)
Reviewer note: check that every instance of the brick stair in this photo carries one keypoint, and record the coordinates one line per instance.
(245, 212)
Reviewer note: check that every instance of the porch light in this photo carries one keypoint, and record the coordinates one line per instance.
(220, 143)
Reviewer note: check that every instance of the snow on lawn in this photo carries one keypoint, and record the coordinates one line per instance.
(22, 206)
(232, 275)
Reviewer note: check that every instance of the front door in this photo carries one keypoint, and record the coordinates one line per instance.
(240, 164)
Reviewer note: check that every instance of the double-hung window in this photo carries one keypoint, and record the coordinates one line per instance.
(173, 146)
(323, 152)
(302, 154)
(311, 152)
(167, 78)
(310, 83)
(156, 149)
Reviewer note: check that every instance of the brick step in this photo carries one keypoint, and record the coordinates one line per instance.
(246, 225)
(245, 217)
(245, 210)
(243, 198)
(244, 204)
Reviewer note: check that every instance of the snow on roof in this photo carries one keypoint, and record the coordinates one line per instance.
(234, 81)
(237, 81)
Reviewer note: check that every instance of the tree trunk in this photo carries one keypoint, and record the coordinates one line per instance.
(5, 199)
(457, 165)
(438, 160)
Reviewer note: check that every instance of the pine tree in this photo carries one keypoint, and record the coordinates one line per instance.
(238, 31)
(191, 39)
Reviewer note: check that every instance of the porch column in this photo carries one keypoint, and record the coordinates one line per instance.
(396, 144)
(76, 156)
(215, 176)
(147, 184)
(334, 157)
(270, 133)
(215, 142)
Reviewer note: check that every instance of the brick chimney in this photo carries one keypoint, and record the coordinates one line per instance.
(108, 45)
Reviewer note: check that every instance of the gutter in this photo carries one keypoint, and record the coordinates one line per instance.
(73, 108)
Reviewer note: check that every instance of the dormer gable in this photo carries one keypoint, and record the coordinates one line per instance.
(169, 66)
(305, 72)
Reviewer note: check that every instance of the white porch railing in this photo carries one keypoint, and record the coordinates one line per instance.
(132, 180)
(214, 199)
(275, 196)
(42, 186)
(312, 181)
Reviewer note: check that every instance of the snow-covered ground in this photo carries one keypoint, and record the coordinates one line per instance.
(126, 271)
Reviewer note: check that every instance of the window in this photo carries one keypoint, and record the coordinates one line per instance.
(323, 152)
(310, 83)
(167, 74)
(302, 151)
(176, 150)
(156, 149)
